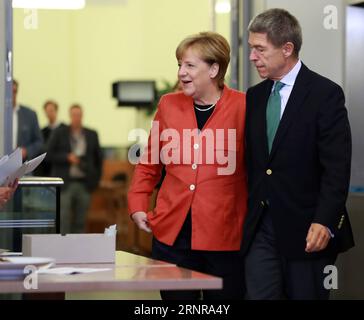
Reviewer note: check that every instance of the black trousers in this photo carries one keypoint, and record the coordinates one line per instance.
(270, 276)
(225, 264)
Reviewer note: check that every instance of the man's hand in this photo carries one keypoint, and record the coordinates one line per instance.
(13, 186)
(141, 220)
(5, 195)
(7, 192)
(73, 159)
(317, 238)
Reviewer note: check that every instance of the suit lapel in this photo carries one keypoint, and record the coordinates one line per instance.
(260, 125)
(296, 99)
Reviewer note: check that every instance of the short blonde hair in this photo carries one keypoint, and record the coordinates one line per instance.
(212, 48)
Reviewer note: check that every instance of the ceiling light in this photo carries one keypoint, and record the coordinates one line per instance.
(49, 4)
(222, 6)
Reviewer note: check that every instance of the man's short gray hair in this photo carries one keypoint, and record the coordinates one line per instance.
(280, 26)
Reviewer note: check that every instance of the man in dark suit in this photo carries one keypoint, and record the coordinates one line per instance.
(51, 110)
(75, 156)
(298, 159)
(26, 132)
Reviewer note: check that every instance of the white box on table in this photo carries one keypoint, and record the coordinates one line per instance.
(71, 248)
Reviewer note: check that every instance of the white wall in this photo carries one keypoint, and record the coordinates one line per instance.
(354, 90)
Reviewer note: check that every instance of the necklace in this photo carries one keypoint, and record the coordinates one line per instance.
(199, 109)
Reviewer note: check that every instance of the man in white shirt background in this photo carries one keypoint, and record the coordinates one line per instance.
(26, 132)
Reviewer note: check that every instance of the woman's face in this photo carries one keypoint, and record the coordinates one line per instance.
(195, 75)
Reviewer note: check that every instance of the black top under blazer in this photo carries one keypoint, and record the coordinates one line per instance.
(306, 177)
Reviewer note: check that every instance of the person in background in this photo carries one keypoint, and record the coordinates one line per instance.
(51, 110)
(75, 156)
(26, 132)
(198, 220)
(298, 144)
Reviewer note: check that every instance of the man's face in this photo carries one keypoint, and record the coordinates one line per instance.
(76, 117)
(51, 112)
(269, 60)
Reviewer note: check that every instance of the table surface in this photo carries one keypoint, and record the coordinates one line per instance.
(130, 272)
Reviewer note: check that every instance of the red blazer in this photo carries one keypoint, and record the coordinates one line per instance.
(218, 202)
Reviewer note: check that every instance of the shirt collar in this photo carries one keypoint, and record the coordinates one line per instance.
(17, 107)
(54, 125)
(290, 78)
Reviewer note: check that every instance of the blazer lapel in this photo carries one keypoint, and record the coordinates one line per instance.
(260, 107)
(189, 119)
(296, 99)
(220, 111)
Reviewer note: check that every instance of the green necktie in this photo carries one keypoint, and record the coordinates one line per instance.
(273, 113)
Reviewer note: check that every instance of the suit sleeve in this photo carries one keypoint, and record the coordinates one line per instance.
(246, 133)
(334, 147)
(147, 172)
(98, 157)
(54, 153)
(35, 147)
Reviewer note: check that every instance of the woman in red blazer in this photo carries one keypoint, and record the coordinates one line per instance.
(197, 135)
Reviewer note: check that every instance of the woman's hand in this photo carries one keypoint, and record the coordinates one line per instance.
(141, 220)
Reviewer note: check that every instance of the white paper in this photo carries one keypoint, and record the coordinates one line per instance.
(110, 231)
(16, 175)
(16, 157)
(70, 270)
(4, 159)
(32, 164)
(11, 167)
(7, 253)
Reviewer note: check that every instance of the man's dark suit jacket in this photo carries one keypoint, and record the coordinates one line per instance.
(47, 131)
(29, 135)
(45, 168)
(305, 178)
(59, 146)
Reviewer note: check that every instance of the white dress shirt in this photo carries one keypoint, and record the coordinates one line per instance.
(54, 125)
(289, 79)
(15, 126)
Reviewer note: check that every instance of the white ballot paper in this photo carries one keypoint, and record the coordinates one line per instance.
(11, 167)
(32, 164)
(4, 159)
(110, 231)
(70, 270)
